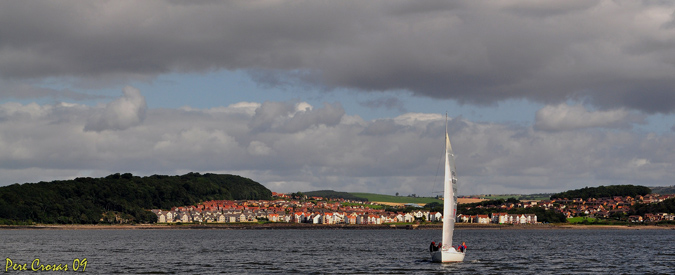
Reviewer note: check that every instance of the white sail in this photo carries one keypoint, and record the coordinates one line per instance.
(449, 195)
(447, 253)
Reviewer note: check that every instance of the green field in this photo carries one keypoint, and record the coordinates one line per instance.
(580, 219)
(536, 197)
(364, 205)
(396, 199)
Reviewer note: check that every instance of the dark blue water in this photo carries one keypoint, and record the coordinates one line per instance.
(341, 251)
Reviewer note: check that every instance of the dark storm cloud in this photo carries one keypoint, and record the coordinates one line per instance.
(610, 53)
(549, 8)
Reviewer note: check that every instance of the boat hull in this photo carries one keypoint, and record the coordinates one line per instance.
(447, 256)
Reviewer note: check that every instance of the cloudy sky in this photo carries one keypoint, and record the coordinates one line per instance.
(542, 96)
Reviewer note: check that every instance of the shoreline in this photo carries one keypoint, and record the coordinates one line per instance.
(285, 226)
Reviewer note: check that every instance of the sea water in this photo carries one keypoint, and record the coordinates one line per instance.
(218, 251)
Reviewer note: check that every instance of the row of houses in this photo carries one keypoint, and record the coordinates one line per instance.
(323, 217)
(227, 216)
(317, 212)
(499, 218)
(652, 217)
(164, 216)
(605, 207)
(292, 211)
(321, 211)
(602, 207)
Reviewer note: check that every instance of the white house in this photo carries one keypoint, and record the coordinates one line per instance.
(436, 216)
(315, 218)
(328, 218)
(408, 217)
(484, 219)
(170, 216)
(374, 219)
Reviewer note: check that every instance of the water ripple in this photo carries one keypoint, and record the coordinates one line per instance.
(345, 251)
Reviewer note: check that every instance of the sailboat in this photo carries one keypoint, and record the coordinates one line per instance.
(447, 253)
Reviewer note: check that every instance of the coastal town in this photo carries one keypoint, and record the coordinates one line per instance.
(318, 210)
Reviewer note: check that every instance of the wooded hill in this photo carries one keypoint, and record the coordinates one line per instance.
(666, 206)
(118, 198)
(604, 191)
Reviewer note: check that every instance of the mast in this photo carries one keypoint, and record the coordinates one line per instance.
(449, 191)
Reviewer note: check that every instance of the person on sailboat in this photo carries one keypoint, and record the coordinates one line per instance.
(462, 247)
(432, 247)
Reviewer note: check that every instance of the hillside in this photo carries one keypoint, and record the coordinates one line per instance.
(604, 191)
(118, 198)
(330, 194)
(396, 199)
(663, 190)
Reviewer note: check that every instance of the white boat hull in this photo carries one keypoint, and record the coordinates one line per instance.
(447, 256)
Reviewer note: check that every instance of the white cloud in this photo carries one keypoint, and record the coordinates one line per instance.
(257, 148)
(640, 162)
(326, 150)
(564, 117)
(125, 112)
(12, 110)
(411, 118)
(291, 118)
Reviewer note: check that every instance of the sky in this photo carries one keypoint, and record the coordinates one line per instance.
(541, 96)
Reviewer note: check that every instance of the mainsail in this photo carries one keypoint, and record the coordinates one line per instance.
(449, 194)
(447, 253)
